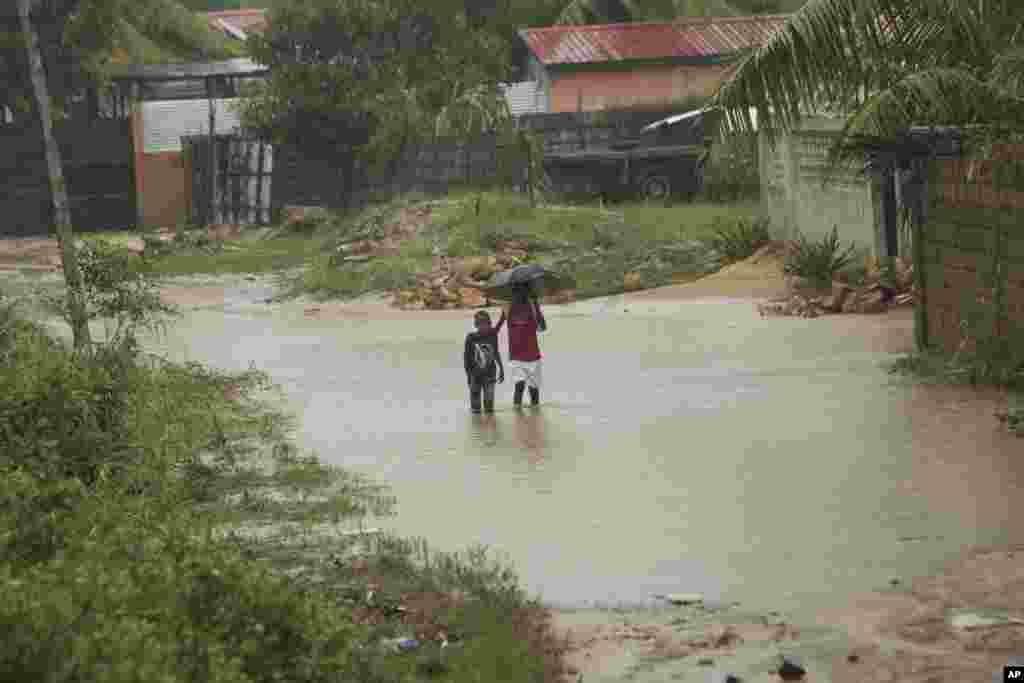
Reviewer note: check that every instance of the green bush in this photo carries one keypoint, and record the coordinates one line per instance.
(731, 173)
(109, 570)
(116, 288)
(734, 239)
(818, 262)
(139, 592)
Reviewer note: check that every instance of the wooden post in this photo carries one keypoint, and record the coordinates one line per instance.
(211, 156)
(529, 169)
(259, 183)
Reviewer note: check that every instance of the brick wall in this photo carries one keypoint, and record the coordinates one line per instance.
(596, 90)
(973, 238)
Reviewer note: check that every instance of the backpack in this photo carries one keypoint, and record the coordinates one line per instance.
(484, 363)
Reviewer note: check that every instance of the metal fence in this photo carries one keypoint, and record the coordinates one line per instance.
(97, 164)
(231, 179)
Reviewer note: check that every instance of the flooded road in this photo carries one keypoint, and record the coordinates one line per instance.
(682, 446)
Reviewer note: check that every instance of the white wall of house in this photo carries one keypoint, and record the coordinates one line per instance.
(165, 122)
(795, 199)
(527, 97)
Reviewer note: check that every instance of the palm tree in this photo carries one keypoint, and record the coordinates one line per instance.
(58, 190)
(886, 65)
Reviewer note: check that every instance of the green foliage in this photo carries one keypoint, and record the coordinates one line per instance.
(98, 33)
(818, 261)
(731, 172)
(325, 277)
(197, 253)
(949, 64)
(1014, 420)
(738, 238)
(115, 287)
(374, 76)
(138, 592)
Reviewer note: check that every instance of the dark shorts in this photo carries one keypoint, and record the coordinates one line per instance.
(481, 389)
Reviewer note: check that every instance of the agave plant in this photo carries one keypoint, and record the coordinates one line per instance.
(818, 262)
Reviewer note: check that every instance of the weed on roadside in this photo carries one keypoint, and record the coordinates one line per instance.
(738, 238)
(818, 262)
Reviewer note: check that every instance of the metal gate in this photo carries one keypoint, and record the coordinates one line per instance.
(231, 179)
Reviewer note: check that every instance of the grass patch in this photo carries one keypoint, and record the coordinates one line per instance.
(241, 256)
(598, 245)
(326, 280)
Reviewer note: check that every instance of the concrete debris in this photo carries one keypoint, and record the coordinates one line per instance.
(458, 282)
(803, 301)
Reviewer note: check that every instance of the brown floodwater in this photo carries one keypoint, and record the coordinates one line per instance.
(682, 446)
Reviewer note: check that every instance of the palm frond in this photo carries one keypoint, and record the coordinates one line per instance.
(832, 50)
(575, 12)
(935, 97)
(1008, 73)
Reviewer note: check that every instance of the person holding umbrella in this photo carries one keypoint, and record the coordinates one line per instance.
(524, 319)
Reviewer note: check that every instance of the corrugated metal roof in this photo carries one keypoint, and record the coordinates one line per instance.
(165, 122)
(684, 38)
(525, 98)
(183, 72)
(244, 20)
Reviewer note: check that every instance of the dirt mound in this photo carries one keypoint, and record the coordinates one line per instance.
(757, 277)
(458, 282)
(39, 253)
(407, 225)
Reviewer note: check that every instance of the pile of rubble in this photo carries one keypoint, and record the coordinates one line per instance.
(459, 282)
(873, 296)
(382, 240)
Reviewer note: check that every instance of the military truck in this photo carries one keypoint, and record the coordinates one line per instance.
(663, 159)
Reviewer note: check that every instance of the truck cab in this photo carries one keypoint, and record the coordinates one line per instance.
(663, 159)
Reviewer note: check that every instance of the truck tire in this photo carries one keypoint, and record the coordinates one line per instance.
(656, 186)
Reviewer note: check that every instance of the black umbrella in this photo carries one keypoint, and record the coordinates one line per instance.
(539, 280)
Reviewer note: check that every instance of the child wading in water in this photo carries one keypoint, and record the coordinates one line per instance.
(524, 320)
(483, 362)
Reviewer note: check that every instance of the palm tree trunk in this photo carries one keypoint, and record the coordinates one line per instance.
(58, 190)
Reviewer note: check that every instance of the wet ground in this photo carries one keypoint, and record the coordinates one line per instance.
(684, 444)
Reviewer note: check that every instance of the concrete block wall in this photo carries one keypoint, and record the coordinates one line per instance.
(795, 199)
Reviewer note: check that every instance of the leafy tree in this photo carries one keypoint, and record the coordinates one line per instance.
(79, 39)
(58, 191)
(68, 43)
(370, 76)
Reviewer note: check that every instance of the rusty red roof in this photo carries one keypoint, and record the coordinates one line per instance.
(684, 38)
(245, 20)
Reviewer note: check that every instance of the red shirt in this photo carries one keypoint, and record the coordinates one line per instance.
(522, 333)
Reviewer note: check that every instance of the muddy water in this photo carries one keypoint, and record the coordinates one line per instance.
(681, 446)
